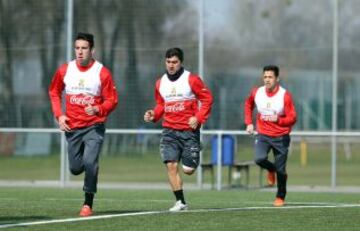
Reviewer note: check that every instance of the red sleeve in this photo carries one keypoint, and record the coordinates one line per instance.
(55, 90)
(108, 93)
(289, 117)
(159, 108)
(203, 94)
(249, 106)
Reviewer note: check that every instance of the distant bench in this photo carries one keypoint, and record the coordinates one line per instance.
(240, 168)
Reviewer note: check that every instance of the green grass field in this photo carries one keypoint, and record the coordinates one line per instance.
(209, 210)
(229, 209)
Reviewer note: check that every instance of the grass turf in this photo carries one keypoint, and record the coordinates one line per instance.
(19, 205)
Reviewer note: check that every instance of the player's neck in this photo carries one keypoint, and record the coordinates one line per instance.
(273, 90)
(84, 67)
(175, 76)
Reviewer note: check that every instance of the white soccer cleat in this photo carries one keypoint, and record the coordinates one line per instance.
(179, 206)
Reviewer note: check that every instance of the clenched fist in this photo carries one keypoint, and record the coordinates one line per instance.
(149, 116)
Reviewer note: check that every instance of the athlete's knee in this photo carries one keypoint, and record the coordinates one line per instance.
(281, 171)
(89, 163)
(75, 170)
(280, 167)
(188, 170)
(260, 161)
(91, 168)
(172, 167)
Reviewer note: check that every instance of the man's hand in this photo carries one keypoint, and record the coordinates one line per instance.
(63, 123)
(273, 118)
(193, 122)
(149, 116)
(250, 129)
(91, 110)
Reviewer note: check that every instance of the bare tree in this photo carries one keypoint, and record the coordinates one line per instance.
(49, 38)
(121, 27)
(7, 41)
(127, 32)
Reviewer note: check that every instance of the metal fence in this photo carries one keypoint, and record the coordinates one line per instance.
(227, 42)
(145, 146)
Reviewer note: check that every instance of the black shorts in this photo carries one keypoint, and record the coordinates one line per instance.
(181, 146)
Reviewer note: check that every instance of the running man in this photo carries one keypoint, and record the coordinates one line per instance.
(90, 96)
(184, 102)
(275, 117)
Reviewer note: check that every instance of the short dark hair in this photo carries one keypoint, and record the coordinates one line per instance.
(87, 37)
(175, 51)
(272, 68)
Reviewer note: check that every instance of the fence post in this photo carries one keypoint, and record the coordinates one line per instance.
(219, 161)
(62, 160)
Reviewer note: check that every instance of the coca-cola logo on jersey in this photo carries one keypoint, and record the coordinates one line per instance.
(177, 107)
(82, 100)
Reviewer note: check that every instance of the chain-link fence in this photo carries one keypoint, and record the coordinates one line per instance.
(131, 37)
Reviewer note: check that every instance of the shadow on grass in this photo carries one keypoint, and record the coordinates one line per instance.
(113, 212)
(16, 219)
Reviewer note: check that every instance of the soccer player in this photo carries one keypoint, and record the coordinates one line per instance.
(275, 116)
(178, 94)
(90, 96)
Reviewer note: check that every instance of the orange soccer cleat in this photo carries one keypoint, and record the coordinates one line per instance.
(278, 202)
(271, 178)
(85, 211)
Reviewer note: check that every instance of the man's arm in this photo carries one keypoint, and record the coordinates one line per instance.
(153, 115)
(160, 102)
(203, 94)
(249, 106)
(55, 91)
(290, 116)
(108, 93)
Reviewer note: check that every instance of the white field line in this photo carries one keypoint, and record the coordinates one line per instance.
(106, 199)
(98, 217)
(80, 199)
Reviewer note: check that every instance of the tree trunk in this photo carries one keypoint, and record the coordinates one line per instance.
(131, 76)
(7, 98)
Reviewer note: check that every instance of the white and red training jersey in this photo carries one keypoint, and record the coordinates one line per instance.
(92, 85)
(270, 103)
(179, 100)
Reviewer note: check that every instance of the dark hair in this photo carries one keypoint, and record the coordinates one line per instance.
(87, 37)
(272, 68)
(175, 52)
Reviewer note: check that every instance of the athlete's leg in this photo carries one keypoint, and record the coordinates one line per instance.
(75, 151)
(170, 149)
(170, 155)
(280, 147)
(190, 156)
(175, 180)
(262, 148)
(93, 143)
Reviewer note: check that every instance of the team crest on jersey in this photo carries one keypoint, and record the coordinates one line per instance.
(173, 91)
(82, 83)
(81, 86)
